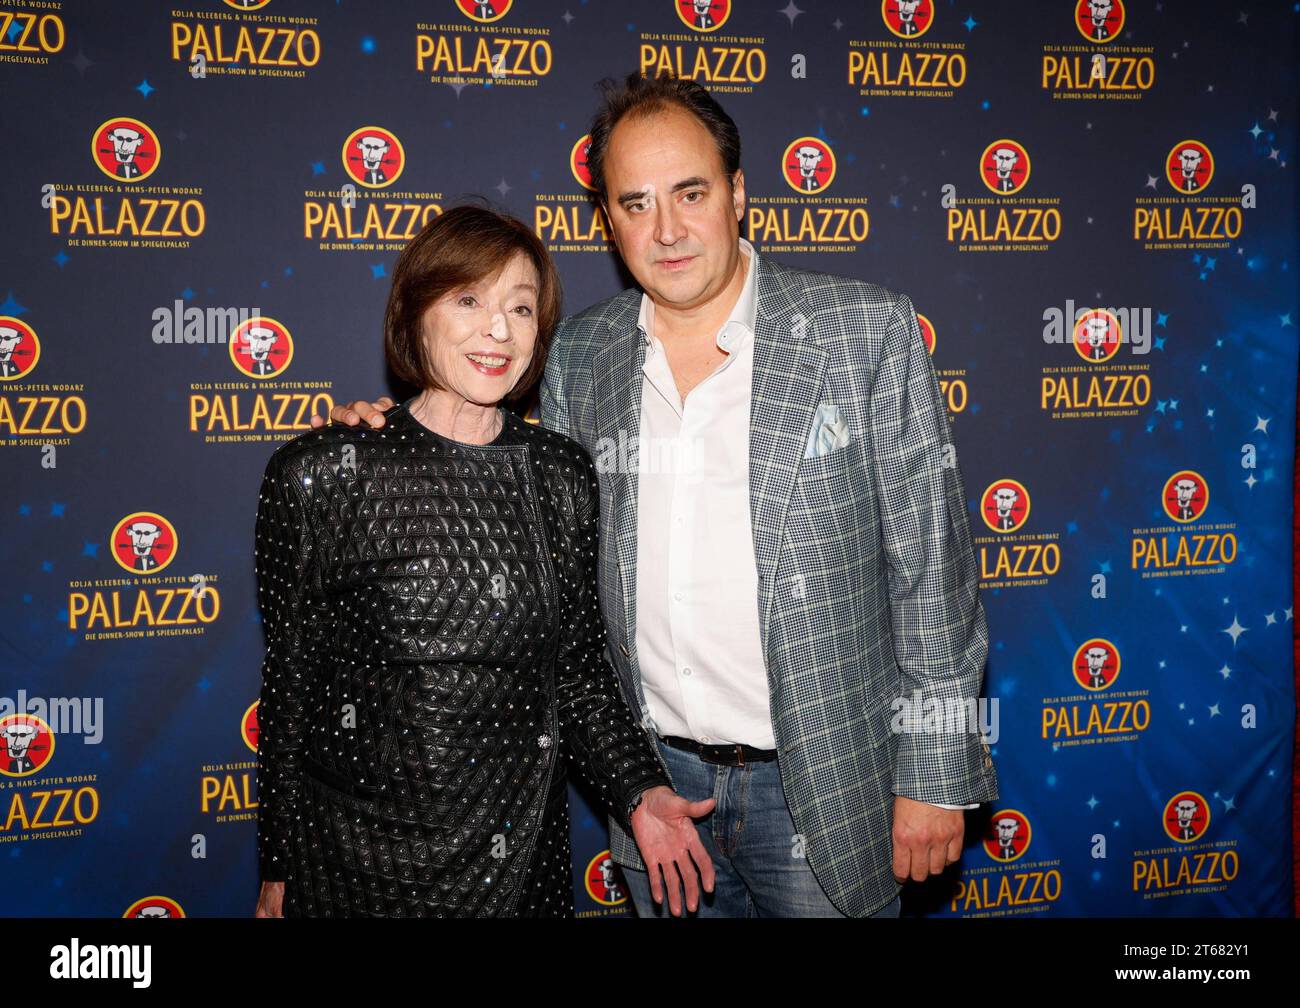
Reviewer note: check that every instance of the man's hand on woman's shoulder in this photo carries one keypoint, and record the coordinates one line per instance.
(357, 412)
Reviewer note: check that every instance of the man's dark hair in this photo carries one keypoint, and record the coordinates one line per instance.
(642, 96)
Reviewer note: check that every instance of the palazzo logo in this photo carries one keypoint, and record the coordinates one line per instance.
(144, 543)
(373, 157)
(126, 149)
(908, 19)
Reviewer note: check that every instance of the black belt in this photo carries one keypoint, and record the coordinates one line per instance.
(734, 754)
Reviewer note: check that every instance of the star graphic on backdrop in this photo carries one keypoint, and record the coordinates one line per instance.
(1285, 320)
(1214, 710)
(567, 18)
(1229, 803)
(377, 271)
(1241, 17)
(1225, 672)
(503, 187)
(318, 168)
(790, 11)
(1210, 413)
(1255, 131)
(1250, 481)
(1151, 182)
(970, 23)
(1272, 115)
(1235, 630)
(1092, 803)
(145, 88)
(81, 62)
(457, 86)
(1261, 424)
(1270, 618)
(837, 24)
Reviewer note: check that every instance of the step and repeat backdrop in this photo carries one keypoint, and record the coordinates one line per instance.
(1092, 204)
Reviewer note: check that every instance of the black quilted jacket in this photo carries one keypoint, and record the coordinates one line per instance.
(435, 654)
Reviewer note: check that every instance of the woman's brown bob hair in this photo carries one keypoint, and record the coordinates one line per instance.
(457, 248)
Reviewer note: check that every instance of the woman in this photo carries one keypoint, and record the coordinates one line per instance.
(434, 642)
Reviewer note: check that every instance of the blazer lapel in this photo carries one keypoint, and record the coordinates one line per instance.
(617, 378)
(789, 367)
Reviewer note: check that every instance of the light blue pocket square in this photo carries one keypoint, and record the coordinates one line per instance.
(830, 432)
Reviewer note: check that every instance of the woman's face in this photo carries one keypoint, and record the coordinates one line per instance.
(480, 337)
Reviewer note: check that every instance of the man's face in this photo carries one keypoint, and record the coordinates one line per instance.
(809, 159)
(1100, 10)
(907, 9)
(1184, 489)
(1097, 330)
(675, 220)
(19, 738)
(9, 340)
(1004, 159)
(1005, 499)
(143, 536)
(1185, 810)
(125, 143)
(373, 150)
(260, 340)
(1191, 160)
(1096, 659)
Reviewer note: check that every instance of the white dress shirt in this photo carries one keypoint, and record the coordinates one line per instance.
(697, 633)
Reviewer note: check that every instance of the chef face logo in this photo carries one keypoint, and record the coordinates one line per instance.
(605, 881)
(373, 157)
(247, 5)
(909, 19)
(1005, 506)
(144, 542)
(808, 165)
(261, 347)
(1097, 336)
(27, 745)
(248, 726)
(1187, 817)
(1008, 836)
(1189, 166)
(126, 150)
(19, 348)
(485, 11)
(1099, 20)
(155, 907)
(703, 15)
(1004, 167)
(927, 332)
(1186, 496)
(578, 162)
(1096, 664)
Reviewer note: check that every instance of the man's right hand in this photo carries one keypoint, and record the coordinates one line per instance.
(270, 901)
(360, 411)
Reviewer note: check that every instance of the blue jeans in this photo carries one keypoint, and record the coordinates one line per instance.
(751, 839)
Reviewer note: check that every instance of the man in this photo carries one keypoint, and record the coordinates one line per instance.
(804, 561)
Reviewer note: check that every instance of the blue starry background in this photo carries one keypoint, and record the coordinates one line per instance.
(1222, 367)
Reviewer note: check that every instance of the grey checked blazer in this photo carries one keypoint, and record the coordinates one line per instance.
(868, 587)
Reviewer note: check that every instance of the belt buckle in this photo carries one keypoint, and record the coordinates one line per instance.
(740, 754)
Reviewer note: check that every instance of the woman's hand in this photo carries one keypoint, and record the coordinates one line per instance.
(270, 901)
(353, 413)
(665, 831)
